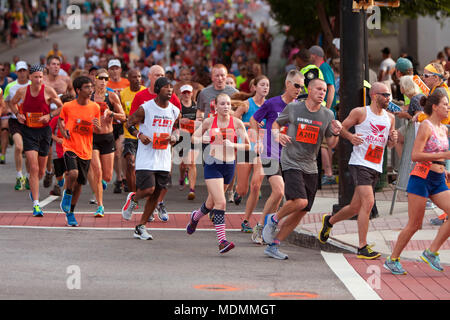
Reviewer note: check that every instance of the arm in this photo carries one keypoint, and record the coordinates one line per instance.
(118, 113)
(13, 104)
(330, 95)
(197, 136)
(134, 119)
(417, 154)
(355, 117)
(241, 109)
(52, 98)
(242, 134)
(392, 139)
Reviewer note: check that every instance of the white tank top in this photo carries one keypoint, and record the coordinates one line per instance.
(375, 132)
(157, 155)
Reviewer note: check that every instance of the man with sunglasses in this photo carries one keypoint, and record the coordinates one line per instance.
(374, 129)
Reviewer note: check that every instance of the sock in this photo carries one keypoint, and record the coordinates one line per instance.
(35, 203)
(48, 172)
(275, 242)
(204, 209)
(19, 174)
(220, 230)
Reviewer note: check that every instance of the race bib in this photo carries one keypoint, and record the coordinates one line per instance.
(82, 127)
(284, 130)
(307, 133)
(421, 169)
(33, 119)
(374, 154)
(188, 126)
(160, 140)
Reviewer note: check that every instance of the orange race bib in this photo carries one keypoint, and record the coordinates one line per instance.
(82, 127)
(284, 129)
(188, 126)
(33, 119)
(160, 140)
(374, 154)
(307, 133)
(421, 169)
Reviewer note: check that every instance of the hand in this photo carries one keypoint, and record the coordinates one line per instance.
(65, 134)
(21, 118)
(356, 139)
(284, 139)
(227, 143)
(96, 123)
(261, 124)
(393, 136)
(107, 114)
(144, 139)
(45, 118)
(336, 127)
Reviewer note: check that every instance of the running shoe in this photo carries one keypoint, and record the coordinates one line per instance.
(130, 205)
(66, 202)
(104, 185)
(439, 221)
(20, 184)
(100, 213)
(48, 179)
(93, 200)
(270, 229)
(367, 253)
(225, 246)
(432, 259)
(70, 219)
(192, 225)
(191, 195)
(27, 183)
(117, 187)
(257, 234)
(394, 266)
(140, 232)
(162, 212)
(237, 198)
(2, 159)
(430, 205)
(56, 191)
(326, 228)
(37, 212)
(181, 183)
(328, 180)
(274, 252)
(230, 196)
(245, 227)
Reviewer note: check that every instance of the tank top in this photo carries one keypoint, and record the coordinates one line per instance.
(435, 143)
(104, 104)
(229, 132)
(252, 107)
(35, 107)
(375, 132)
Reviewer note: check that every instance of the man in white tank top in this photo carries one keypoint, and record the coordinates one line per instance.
(374, 129)
(157, 119)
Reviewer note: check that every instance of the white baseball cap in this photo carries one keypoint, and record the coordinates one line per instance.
(21, 65)
(114, 62)
(186, 87)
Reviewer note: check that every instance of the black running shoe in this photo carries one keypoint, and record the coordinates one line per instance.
(367, 253)
(326, 228)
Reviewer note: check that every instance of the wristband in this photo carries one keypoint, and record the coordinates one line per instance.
(139, 133)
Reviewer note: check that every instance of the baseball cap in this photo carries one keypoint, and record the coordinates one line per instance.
(318, 51)
(114, 63)
(403, 65)
(186, 87)
(21, 65)
(337, 43)
(168, 69)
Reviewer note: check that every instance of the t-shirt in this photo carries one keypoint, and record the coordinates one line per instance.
(126, 98)
(122, 84)
(307, 130)
(387, 65)
(11, 90)
(78, 121)
(207, 97)
(328, 76)
(143, 96)
(270, 111)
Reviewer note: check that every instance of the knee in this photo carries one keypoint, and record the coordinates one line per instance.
(278, 192)
(300, 204)
(220, 204)
(255, 186)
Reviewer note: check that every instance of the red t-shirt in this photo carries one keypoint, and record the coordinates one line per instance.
(55, 130)
(143, 96)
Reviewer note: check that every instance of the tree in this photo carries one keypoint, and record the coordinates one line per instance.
(307, 19)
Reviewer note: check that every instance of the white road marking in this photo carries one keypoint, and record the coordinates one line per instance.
(47, 200)
(357, 286)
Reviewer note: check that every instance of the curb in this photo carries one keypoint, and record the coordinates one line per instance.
(306, 239)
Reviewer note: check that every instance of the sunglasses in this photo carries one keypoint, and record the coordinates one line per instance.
(385, 94)
(428, 75)
(103, 78)
(297, 85)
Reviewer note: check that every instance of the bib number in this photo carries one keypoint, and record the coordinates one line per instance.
(33, 119)
(307, 134)
(421, 169)
(374, 154)
(160, 140)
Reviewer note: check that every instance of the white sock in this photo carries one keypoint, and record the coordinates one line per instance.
(19, 174)
(35, 203)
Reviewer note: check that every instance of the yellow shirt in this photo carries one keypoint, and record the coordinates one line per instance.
(126, 97)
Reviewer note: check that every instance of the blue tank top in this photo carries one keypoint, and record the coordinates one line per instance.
(252, 107)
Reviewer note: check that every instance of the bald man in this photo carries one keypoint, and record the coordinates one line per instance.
(374, 129)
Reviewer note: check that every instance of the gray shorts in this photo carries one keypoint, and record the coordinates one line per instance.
(129, 147)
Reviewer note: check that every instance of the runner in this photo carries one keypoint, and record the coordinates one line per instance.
(427, 180)
(269, 149)
(102, 162)
(156, 72)
(62, 85)
(308, 124)
(117, 83)
(130, 142)
(374, 129)
(224, 130)
(260, 88)
(35, 114)
(77, 121)
(22, 182)
(188, 167)
(4, 117)
(157, 119)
